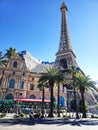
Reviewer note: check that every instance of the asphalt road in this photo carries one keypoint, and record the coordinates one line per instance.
(48, 124)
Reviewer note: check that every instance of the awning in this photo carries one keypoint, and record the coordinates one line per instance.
(30, 100)
(7, 101)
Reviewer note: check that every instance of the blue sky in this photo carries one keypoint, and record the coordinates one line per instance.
(34, 25)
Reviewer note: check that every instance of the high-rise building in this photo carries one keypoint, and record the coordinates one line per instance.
(65, 56)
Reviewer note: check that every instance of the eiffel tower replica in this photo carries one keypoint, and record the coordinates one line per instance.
(65, 57)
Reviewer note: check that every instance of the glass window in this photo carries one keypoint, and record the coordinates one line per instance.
(23, 73)
(32, 79)
(32, 97)
(22, 85)
(14, 73)
(12, 83)
(15, 64)
(9, 96)
(32, 87)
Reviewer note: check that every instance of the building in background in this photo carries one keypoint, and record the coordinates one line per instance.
(20, 81)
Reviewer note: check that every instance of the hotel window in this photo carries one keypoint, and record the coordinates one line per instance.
(15, 64)
(23, 74)
(13, 72)
(12, 83)
(32, 79)
(32, 97)
(32, 87)
(22, 85)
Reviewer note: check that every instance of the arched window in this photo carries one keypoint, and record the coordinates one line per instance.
(32, 87)
(12, 83)
(32, 97)
(22, 85)
(10, 96)
(15, 64)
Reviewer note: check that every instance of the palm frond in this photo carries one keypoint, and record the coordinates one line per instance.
(2, 59)
(11, 53)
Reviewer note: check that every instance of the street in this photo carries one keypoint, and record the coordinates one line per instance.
(48, 124)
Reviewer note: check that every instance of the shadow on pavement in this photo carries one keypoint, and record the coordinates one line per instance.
(49, 121)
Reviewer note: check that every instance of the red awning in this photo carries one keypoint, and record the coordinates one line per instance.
(30, 100)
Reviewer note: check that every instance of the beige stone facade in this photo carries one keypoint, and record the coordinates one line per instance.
(20, 82)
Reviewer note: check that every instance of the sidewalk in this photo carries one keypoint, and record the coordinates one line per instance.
(48, 124)
(9, 116)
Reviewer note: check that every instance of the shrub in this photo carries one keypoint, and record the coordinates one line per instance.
(3, 115)
(64, 116)
(94, 116)
(55, 111)
(21, 114)
(16, 116)
(67, 116)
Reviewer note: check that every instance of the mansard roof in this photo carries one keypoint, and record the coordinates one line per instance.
(41, 68)
(34, 65)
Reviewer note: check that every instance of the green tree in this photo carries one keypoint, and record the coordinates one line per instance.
(50, 78)
(73, 70)
(10, 54)
(2, 59)
(84, 83)
(2, 64)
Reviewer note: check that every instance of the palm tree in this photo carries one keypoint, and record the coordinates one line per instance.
(2, 63)
(84, 83)
(2, 59)
(59, 80)
(73, 70)
(11, 53)
(50, 78)
(42, 85)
